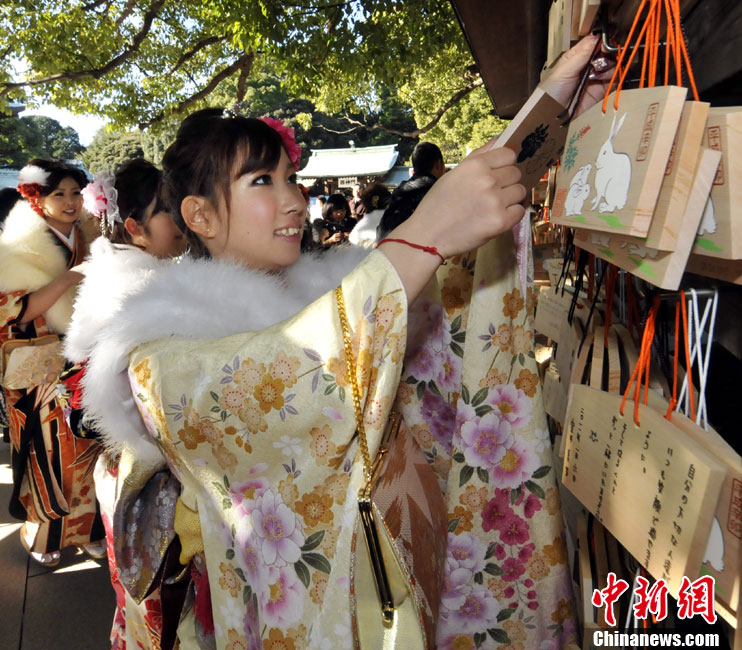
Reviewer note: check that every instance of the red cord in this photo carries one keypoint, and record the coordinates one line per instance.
(428, 249)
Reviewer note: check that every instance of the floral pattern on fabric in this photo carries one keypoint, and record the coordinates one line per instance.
(471, 395)
(272, 476)
(56, 489)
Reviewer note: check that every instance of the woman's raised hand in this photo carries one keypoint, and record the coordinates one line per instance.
(479, 199)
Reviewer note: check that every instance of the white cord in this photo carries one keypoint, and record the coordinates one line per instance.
(703, 368)
(695, 336)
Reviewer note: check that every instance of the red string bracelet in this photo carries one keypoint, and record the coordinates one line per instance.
(428, 249)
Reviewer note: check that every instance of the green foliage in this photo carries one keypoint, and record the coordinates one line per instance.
(383, 63)
(108, 150)
(36, 136)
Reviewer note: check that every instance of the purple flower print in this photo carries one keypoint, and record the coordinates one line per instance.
(478, 613)
(456, 585)
(277, 529)
(424, 365)
(428, 326)
(485, 442)
(466, 551)
(248, 556)
(510, 403)
(440, 417)
(448, 376)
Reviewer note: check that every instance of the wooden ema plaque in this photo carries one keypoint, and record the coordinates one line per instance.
(661, 268)
(720, 234)
(653, 486)
(537, 134)
(722, 556)
(614, 162)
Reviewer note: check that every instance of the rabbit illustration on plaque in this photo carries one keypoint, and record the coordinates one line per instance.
(708, 220)
(579, 190)
(714, 554)
(641, 251)
(612, 174)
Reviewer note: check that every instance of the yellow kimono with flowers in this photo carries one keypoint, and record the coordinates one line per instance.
(259, 428)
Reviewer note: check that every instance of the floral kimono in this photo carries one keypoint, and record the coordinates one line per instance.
(52, 468)
(250, 405)
(136, 493)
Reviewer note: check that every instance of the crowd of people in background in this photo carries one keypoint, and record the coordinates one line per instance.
(178, 396)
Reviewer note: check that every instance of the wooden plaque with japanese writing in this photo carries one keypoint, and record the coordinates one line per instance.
(653, 486)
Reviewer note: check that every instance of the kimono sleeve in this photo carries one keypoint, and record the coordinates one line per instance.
(12, 306)
(211, 402)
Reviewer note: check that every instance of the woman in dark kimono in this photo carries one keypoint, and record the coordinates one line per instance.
(41, 247)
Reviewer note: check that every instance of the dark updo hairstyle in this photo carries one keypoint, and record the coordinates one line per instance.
(375, 197)
(58, 171)
(138, 183)
(212, 148)
(335, 202)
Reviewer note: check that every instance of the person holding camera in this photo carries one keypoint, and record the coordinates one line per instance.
(336, 222)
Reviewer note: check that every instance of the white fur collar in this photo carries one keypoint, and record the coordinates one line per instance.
(31, 259)
(193, 299)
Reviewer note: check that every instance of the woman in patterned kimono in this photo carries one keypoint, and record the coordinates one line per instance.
(139, 235)
(244, 391)
(41, 245)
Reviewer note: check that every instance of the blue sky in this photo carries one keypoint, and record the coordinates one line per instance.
(85, 125)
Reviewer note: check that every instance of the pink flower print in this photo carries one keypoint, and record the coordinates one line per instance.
(515, 467)
(277, 528)
(456, 585)
(466, 551)
(532, 506)
(511, 403)
(513, 568)
(514, 530)
(243, 494)
(449, 371)
(477, 614)
(525, 553)
(424, 365)
(485, 442)
(497, 512)
(440, 417)
(281, 602)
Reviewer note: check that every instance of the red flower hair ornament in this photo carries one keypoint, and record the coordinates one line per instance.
(31, 181)
(288, 137)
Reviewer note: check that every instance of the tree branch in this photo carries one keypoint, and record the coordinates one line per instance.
(93, 5)
(244, 62)
(200, 45)
(455, 99)
(125, 13)
(95, 73)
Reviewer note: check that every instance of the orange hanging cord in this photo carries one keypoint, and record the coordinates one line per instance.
(643, 363)
(687, 357)
(649, 34)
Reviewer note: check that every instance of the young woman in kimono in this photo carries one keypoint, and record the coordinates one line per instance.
(244, 391)
(134, 495)
(41, 245)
